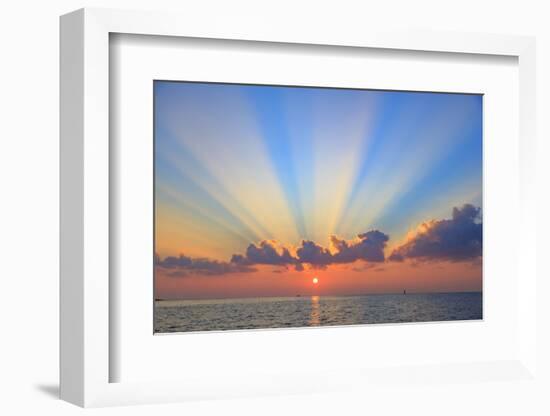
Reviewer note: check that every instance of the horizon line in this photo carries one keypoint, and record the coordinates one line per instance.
(319, 295)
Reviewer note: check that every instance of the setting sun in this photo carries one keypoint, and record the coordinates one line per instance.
(315, 280)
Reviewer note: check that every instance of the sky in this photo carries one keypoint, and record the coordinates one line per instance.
(259, 189)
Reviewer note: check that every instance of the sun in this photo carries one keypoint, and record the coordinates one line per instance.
(315, 280)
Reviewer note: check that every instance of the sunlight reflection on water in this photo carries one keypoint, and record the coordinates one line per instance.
(315, 318)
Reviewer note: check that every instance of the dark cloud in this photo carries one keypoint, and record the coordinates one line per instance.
(396, 256)
(182, 266)
(264, 253)
(314, 254)
(368, 247)
(455, 239)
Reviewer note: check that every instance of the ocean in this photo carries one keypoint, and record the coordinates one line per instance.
(311, 311)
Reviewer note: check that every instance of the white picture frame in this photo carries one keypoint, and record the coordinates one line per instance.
(86, 355)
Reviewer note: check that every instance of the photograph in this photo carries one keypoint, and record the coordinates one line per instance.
(279, 206)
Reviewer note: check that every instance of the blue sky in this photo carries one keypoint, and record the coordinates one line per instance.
(333, 161)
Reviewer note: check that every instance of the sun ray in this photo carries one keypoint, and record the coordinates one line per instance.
(203, 213)
(239, 187)
(340, 147)
(404, 160)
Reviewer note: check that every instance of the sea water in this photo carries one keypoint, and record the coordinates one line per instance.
(310, 311)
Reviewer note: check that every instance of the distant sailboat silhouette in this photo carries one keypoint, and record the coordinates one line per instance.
(404, 292)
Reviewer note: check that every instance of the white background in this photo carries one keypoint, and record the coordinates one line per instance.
(29, 227)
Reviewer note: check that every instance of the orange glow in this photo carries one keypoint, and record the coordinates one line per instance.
(390, 277)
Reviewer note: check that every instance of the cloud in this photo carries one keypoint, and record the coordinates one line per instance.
(369, 247)
(313, 254)
(182, 266)
(455, 239)
(396, 256)
(267, 252)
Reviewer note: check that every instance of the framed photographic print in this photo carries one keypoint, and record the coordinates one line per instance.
(247, 210)
(286, 206)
